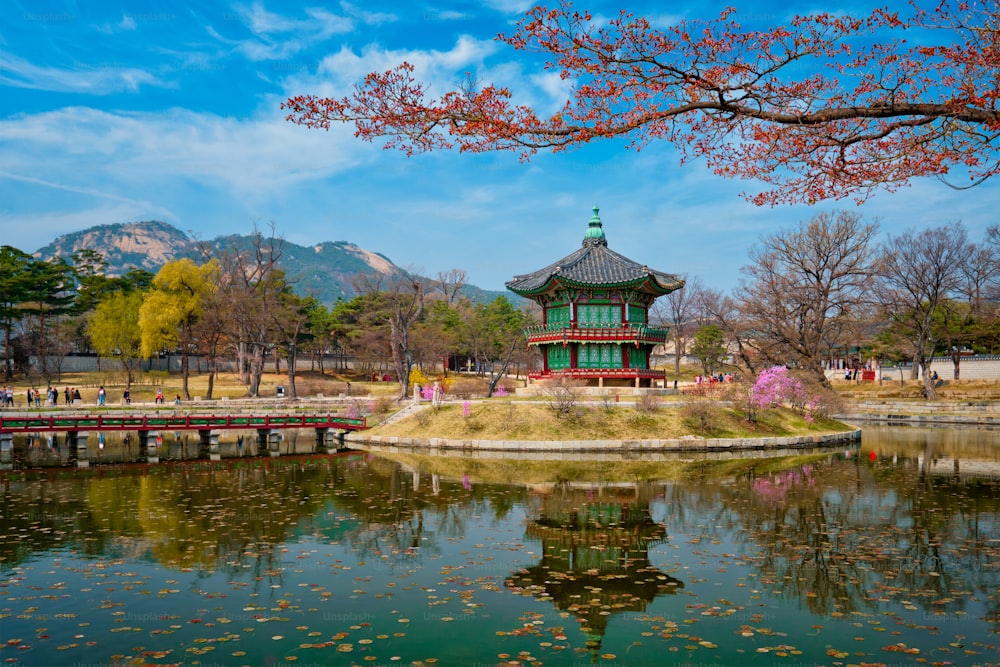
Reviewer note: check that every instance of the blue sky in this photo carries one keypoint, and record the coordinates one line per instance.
(122, 111)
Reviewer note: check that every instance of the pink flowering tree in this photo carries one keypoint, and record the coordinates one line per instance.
(775, 387)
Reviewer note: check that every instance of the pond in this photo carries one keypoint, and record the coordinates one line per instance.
(885, 554)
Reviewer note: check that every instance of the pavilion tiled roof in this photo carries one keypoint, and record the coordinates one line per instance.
(595, 265)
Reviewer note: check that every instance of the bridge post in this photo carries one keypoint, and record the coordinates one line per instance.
(149, 445)
(6, 451)
(329, 441)
(76, 442)
(209, 445)
(270, 439)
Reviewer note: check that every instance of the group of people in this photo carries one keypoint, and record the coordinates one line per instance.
(71, 396)
(710, 379)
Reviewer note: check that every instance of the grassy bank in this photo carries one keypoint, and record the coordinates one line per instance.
(501, 419)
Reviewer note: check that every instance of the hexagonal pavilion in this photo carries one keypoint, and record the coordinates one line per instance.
(595, 314)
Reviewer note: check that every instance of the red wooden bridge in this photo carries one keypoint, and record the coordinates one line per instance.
(58, 423)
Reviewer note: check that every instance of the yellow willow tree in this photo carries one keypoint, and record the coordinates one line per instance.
(173, 306)
(114, 330)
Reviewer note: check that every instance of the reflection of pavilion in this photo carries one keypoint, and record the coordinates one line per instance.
(595, 558)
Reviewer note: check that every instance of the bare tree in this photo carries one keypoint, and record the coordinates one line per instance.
(677, 311)
(451, 283)
(716, 308)
(802, 284)
(919, 271)
(252, 282)
(403, 296)
(979, 273)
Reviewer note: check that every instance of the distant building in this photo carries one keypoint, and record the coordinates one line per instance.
(595, 315)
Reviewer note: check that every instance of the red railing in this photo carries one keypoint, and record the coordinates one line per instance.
(577, 334)
(24, 424)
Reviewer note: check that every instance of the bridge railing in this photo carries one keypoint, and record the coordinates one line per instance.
(24, 424)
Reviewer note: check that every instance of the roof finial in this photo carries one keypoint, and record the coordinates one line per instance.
(595, 230)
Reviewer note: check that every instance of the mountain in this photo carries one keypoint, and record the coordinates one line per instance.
(328, 270)
(144, 245)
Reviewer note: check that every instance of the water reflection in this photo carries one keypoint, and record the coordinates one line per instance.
(595, 554)
(35, 450)
(723, 561)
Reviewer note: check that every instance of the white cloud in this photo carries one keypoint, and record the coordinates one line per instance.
(370, 18)
(126, 157)
(509, 6)
(442, 70)
(96, 80)
(449, 15)
(278, 37)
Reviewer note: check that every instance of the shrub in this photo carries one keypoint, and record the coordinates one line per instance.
(648, 403)
(381, 407)
(702, 415)
(777, 386)
(562, 395)
(510, 420)
(417, 377)
(468, 387)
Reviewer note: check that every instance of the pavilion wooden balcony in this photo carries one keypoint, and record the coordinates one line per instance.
(616, 333)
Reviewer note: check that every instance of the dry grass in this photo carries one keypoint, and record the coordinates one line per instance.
(517, 420)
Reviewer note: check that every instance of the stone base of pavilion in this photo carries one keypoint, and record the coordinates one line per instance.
(602, 382)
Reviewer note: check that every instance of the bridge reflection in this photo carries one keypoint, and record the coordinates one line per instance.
(41, 434)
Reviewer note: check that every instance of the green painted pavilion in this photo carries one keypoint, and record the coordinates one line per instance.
(595, 315)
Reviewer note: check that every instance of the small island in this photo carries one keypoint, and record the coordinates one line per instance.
(603, 426)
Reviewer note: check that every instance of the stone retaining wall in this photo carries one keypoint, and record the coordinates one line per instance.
(985, 413)
(963, 408)
(689, 444)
